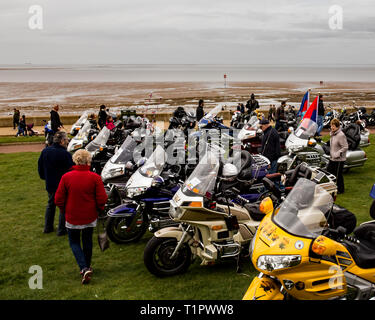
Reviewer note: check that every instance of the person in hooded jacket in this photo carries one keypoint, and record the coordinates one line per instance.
(102, 116)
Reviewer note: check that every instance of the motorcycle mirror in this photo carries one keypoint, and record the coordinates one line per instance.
(141, 162)
(157, 181)
(129, 165)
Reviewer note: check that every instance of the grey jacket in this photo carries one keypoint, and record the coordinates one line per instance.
(338, 146)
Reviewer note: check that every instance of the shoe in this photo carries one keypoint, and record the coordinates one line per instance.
(86, 275)
(62, 233)
(47, 230)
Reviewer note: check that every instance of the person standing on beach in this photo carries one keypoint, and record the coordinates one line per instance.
(280, 116)
(252, 104)
(200, 111)
(54, 161)
(16, 118)
(321, 112)
(81, 195)
(102, 116)
(56, 124)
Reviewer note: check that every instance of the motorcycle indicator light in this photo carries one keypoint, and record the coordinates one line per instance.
(324, 246)
(266, 206)
(217, 227)
(195, 204)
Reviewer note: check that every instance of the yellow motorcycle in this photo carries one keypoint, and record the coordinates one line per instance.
(300, 257)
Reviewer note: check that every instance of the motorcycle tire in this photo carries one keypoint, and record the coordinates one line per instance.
(157, 257)
(119, 233)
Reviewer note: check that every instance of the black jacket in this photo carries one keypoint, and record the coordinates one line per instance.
(321, 108)
(102, 118)
(271, 144)
(53, 162)
(55, 121)
(199, 113)
(251, 105)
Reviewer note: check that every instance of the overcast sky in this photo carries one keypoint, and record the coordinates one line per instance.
(187, 31)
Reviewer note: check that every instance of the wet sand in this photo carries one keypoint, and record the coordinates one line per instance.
(34, 98)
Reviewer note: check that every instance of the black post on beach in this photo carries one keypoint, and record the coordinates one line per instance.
(225, 81)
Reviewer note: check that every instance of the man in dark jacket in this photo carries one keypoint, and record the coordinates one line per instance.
(270, 144)
(53, 162)
(252, 104)
(280, 116)
(200, 111)
(102, 116)
(321, 112)
(56, 124)
(16, 118)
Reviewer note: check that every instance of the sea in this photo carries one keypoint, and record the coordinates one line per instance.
(185, 73)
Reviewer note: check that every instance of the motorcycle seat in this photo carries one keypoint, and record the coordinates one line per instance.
(274, 176)
(254, 212)
(363, 253)
(301, 171)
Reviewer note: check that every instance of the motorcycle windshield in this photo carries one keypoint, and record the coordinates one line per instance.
(154, 165)
(125, 153)
(253, 122)
(303, 211)
(213, 113)
(203, 178)
(306, 129)
(100, 140)
(82, 118)
(83, 132)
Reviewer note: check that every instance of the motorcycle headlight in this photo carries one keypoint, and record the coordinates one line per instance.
(133, 192)
(270, 263)
(112, 170)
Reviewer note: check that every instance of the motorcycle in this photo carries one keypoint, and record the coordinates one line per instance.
(300, 257)
(79, 123)
(82, 138)
(145, 198)
(210, 227)
(302, 147)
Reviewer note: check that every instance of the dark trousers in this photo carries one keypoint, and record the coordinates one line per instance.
(336, 168)
(82, 254)
(15, 123)
(50, 216)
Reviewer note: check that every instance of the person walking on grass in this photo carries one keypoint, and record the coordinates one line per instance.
(81, 195)
(53, 162)
(338, 147)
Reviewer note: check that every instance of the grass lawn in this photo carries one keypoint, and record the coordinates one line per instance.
(119, 272)
(21, 139)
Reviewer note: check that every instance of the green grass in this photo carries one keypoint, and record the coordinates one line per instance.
(21, 139)
(119, 272)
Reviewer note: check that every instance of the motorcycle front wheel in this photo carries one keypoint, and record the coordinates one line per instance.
(124, 230)
(157, 257)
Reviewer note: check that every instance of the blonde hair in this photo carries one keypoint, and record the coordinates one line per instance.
(82, 157)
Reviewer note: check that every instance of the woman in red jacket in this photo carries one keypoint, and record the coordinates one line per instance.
(81, 194)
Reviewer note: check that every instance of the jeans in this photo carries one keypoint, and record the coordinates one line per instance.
(50, 216)
(320, 125)
(20, 131)
(82, 254)
(273, 167)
